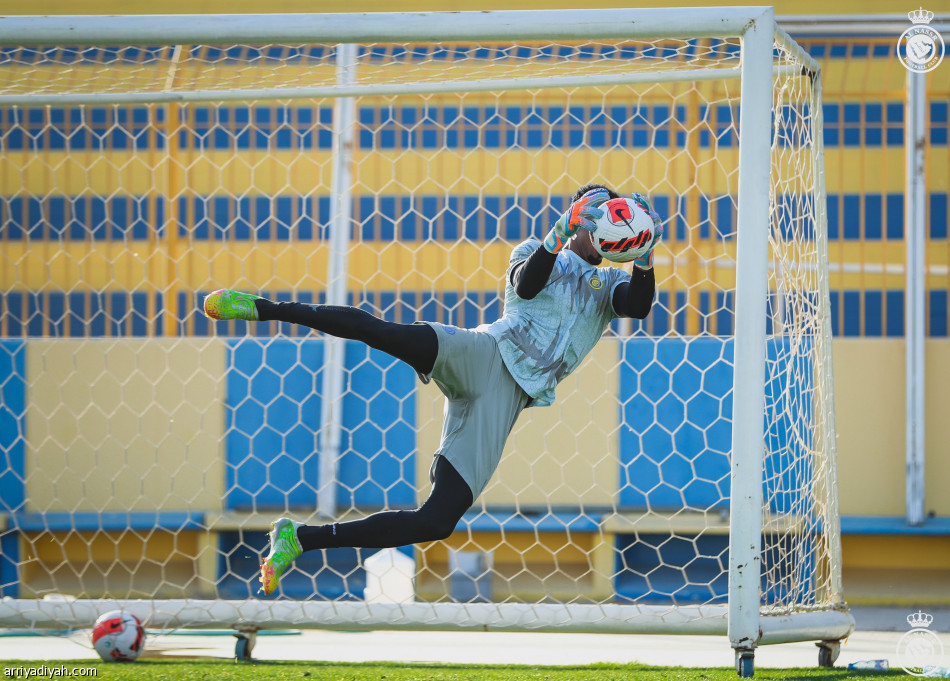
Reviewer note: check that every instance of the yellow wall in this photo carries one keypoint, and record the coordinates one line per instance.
(130, 454)
(575, 441)
(144, 564)
(896, 569)
(526, 565)
(97, 396)
(869, 401)
(937, 432)
(869, 405)
(125, 424)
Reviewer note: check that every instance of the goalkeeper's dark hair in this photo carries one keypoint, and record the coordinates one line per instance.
(589, 187)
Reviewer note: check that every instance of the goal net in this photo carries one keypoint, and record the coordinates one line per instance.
(145, 449)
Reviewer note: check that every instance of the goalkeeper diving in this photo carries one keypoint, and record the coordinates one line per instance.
(558, 303)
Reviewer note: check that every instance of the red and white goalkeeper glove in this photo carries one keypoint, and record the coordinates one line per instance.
(581, 214)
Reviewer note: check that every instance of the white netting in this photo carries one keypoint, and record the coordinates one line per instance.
(799, 465)
(149, 449)
(123, 70)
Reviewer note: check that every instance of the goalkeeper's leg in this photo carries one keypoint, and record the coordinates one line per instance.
(415, 344)
(435, 519)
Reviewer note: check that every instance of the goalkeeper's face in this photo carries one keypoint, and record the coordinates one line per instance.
(583, 245)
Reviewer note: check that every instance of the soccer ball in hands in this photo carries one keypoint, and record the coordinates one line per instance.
(118, 636)
(625, 232)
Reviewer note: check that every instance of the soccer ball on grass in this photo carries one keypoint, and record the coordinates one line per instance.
(118, 636)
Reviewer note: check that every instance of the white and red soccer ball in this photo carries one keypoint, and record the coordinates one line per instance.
(118, 636)
(625, 232)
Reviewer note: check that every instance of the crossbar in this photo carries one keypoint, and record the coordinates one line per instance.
(376, 27)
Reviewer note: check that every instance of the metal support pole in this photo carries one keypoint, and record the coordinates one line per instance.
(915, 305)
(745, 524)
(341, 208)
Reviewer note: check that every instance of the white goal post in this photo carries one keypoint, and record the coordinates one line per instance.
(706, 95)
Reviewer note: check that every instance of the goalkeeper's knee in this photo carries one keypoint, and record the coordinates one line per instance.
(434, 527)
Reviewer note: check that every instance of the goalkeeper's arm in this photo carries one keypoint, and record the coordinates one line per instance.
(634, 298)
(530, 275)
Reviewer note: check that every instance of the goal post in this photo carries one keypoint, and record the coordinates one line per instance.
(391, 161)
(745, 526)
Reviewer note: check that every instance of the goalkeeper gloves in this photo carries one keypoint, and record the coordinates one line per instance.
(581, 214)
(645, 261)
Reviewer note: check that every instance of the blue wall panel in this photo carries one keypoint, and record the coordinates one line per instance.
(872, 124)
(272, 421)
(676, 432)
(788, 388)
(377, 462)
(650, 569)
(851, 216)
(273, 424)
(938, 314)
(657, 568)
(83, 314)
(12, 455)
(12, 425)
(9, 557)
(676, 397)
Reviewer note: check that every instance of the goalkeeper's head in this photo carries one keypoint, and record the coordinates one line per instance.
(583, 244)
(591, 187)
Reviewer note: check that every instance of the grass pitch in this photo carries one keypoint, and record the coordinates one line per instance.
(211, 670)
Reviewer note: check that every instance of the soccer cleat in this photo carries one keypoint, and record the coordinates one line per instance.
(284, 547)
(226, 304)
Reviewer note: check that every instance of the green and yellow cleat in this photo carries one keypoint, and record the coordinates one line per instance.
(225, 304)
(284, 548)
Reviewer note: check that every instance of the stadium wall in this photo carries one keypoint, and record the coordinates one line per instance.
(99, 399)
(157, 474)
(199, 380)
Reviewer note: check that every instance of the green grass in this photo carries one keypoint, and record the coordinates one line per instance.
(212, 670)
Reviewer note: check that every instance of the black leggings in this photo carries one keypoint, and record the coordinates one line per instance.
(418, 346)
(415, 344)
(435, 519)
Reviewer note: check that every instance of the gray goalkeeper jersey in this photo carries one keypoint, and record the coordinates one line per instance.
(544, 339)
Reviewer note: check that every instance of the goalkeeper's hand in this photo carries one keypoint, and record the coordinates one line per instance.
(645, 261)
(579, 215)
